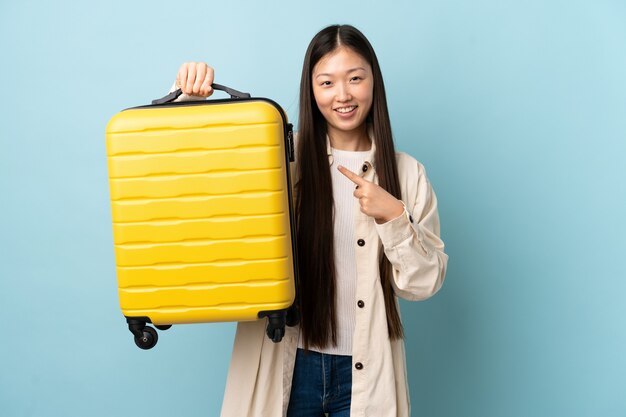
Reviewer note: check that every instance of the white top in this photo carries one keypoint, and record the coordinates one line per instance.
(344, 253)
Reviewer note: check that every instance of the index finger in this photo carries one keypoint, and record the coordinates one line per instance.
(351, 175)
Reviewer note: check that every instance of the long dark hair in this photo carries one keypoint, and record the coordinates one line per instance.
(314, 201)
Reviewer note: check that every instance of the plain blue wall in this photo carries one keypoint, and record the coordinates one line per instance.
(517, 109)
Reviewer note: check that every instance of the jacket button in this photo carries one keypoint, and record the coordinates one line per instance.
(364, 167)
(360, 242)
(410, 218)
(360, 303)
(358, 366)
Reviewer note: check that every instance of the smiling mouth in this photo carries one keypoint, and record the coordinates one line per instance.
(347, 109)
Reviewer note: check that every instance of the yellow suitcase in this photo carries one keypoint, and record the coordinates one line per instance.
(202, 213)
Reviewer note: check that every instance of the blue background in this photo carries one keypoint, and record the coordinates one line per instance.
(517, 109)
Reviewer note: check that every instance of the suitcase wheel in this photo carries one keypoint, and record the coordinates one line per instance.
(275, 329)
(148, 339)
(275, 324)
(278, 335)
(145, 336)
(162, 326)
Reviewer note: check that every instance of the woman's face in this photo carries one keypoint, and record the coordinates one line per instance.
(343, 87)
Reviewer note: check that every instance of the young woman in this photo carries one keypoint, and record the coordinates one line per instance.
(367, 233)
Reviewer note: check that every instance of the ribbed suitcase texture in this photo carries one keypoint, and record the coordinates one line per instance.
(200, 204)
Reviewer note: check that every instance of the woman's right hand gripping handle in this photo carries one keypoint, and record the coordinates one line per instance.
(195, 79)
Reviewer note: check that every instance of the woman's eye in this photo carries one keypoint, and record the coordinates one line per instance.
(325, 83)
(355, 79)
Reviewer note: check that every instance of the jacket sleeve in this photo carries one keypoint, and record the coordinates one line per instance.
(412, 241)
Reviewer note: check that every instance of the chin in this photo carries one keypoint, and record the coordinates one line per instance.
(348, 127)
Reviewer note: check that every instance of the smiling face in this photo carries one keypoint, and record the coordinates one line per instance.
(343, 87)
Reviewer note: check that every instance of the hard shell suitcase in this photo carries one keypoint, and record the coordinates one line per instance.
(202, 213)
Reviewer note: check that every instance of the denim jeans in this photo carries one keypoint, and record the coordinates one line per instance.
(321, 384)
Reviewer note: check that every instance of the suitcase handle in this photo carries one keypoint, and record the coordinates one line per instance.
(175, 94)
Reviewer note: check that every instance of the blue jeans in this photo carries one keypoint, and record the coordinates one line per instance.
(321, 384)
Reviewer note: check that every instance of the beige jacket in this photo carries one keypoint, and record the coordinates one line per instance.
(259, 379)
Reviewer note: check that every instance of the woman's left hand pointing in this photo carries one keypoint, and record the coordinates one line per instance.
(375, 201)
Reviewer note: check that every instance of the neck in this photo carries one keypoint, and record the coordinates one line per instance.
(354, 140)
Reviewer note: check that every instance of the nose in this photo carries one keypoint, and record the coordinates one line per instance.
(343, 93)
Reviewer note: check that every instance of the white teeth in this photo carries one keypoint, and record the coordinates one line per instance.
(345, 109)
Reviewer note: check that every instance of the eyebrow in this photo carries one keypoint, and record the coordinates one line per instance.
(347, 72)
